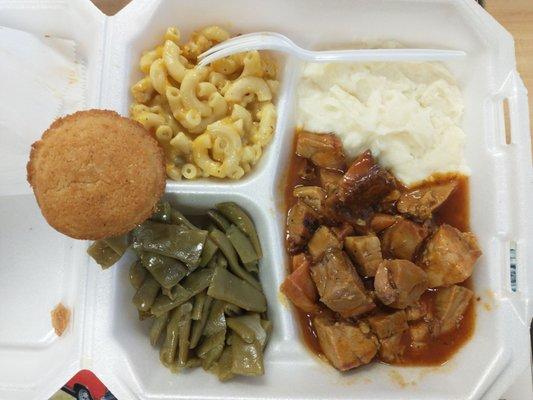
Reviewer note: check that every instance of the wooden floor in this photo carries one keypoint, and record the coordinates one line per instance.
(517, 17)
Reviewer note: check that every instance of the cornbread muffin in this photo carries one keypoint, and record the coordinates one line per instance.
(96, 174)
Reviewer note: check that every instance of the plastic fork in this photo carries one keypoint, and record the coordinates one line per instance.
(279, 42)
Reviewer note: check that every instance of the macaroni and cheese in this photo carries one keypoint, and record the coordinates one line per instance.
(210, 121)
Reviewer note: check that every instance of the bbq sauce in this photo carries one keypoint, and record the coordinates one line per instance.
(454, 211)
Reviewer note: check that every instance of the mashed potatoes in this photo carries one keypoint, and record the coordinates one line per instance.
(407, 114)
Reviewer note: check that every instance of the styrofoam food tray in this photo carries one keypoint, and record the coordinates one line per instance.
(40, 267)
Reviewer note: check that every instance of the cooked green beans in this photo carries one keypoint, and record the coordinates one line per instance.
(162, 212)
(218, 219)
(228, 287)
(174, 241)
(209, 251)
(184, 330)
(242, 244)
(159, 324)
(170, 345)
(237, 215)
(229, 252)
(137, 274)
(198, 306)
(107, 252)
(199, 286)
(247, 357)
(199, 325)
(166, 270)
(216, 321)
(146, 294)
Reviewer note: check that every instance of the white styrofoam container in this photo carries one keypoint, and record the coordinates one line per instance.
(40, 267)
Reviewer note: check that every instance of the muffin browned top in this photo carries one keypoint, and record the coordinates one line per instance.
(96, 174)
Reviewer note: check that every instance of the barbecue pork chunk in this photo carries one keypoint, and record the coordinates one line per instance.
(365, 183)
(346, 346)
(324, 150)
(449, 256)
(420, 203)
(339, 286)
(403, 239)
(450, 306)
(365, 252)
(399, 283)
(300, 289)
(302, 221)
(322, 240)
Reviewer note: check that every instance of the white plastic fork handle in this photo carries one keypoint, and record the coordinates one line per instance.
(267, 41)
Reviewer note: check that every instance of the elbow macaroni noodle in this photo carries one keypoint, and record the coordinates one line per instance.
(210, 121)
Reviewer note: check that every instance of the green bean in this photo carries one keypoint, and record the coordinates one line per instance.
(119, 244)
(194, 362)
(248, 327)
(199, 325)
(184, 331)
(167, 352)
(190, 286)
(218, 219)
(228, 287)
(162, 212)
(211, 349)
(199, 301)
(252, 267)
(239, 217)
(170, 240)
(224, 365)
(247, 358)
(178, 218)
(210, 248)
(163, 303)
(213, 263)
(146, 294)
(210, 343)
(173, 292)
(216, 321)
(166, 270)
(242, 244)
(198, 280)
(158, 326)
(211, 357)
(227, 249)
(137, 274)
(103, 254)
(232, 309)
(222, 261)
(176, 367)
(243, 330)
(144, 315)
(267, 326)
